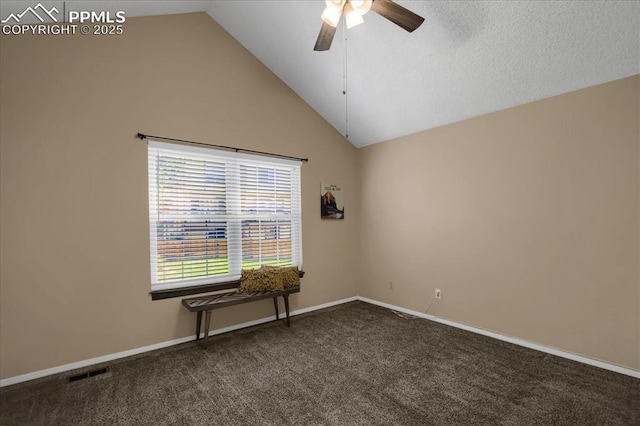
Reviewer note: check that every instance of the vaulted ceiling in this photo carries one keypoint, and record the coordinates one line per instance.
(468, 58)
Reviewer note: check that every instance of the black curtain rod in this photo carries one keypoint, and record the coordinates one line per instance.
(142, 136)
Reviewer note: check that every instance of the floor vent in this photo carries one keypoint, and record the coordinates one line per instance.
(88, 374)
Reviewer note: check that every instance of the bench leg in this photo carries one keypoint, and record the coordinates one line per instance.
(198, 324)
(207, 324)
(286, 307)
(275, 304)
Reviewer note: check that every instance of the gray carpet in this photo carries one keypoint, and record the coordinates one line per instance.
(354, 364)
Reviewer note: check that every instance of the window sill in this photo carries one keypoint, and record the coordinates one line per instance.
(196, 289)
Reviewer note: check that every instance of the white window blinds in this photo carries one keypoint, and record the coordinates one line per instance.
(213, 213)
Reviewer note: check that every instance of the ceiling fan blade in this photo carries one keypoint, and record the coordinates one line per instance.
(397, 14)
(325, 37)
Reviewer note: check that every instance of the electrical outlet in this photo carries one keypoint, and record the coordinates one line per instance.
(438, 293)
(390, 285)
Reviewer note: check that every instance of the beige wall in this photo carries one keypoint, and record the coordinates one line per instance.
(527, 219)
(74, 221)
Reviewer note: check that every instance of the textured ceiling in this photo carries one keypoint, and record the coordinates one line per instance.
(468, 58)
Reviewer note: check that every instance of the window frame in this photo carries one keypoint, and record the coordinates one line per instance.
(233, 216)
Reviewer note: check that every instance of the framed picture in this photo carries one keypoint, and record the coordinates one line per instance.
(331, 201)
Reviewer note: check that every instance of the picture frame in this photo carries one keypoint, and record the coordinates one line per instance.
(331, 201)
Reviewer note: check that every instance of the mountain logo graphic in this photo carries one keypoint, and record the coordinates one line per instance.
(34, 11)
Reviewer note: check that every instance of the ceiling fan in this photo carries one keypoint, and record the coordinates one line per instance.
(353, 11)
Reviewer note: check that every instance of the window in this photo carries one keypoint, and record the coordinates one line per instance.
(213, 213)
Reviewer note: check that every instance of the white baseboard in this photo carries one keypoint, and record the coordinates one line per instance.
(514, 340)
(88, 362)
(106, 358)
(111, 357)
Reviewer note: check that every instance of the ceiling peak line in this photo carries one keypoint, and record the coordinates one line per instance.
(345, 79)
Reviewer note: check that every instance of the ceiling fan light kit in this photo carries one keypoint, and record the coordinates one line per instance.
(352, 18)
(361, 6)
(331, 14)
(354, 10)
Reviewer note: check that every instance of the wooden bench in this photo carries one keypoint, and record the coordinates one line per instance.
(216, 301)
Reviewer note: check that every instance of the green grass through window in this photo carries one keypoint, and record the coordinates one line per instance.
(206, 267)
